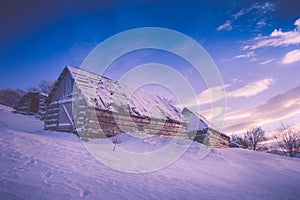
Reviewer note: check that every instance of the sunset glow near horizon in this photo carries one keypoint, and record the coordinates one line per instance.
(255, 45)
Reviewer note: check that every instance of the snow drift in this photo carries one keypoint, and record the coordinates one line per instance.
(38, 164)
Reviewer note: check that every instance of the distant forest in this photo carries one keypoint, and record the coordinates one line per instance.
(10, 97)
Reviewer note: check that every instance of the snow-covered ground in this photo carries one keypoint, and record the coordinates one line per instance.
(38, 164)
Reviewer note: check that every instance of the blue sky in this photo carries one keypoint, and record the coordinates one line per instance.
(255, 45)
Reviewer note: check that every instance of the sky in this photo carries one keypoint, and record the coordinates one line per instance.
(254, 44)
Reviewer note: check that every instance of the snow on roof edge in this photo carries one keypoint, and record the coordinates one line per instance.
(143, 104)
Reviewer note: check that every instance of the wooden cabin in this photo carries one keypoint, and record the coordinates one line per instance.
(94, 106)
(201, 130)
(32, 103)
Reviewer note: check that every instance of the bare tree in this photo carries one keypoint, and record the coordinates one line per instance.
(241, 140)
(255, 136)
(234, 137)
(44, 86)
(10, 97)
(288, 139)
(251, 139)
(116, 140)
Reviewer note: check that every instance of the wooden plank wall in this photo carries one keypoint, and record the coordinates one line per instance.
(108, 123)
(23, 105)
(89, 122)
(55, 116)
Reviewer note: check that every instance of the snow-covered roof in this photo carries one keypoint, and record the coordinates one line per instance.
(204, 123)
(106, 94)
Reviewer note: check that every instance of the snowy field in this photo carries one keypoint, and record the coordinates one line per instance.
(38, 164)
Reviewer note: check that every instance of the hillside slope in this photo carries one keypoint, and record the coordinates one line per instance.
(38, 164)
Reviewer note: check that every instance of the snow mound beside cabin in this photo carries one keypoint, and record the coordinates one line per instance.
(38, 164)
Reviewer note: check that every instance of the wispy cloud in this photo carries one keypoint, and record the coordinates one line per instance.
(257, 12)
(251, 89)
(205, 97)
(278, 108)
(267, 61)
(226, 26)
(291, 57)
(276, 38)
(250, 55)
(248, 90)
(247, 55)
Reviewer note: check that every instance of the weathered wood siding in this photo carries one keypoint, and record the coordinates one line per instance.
(23, 105)
(32, 103)
(218, 139)
(59, 110)
(95, 123)
(73, 108)
(199, 131)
